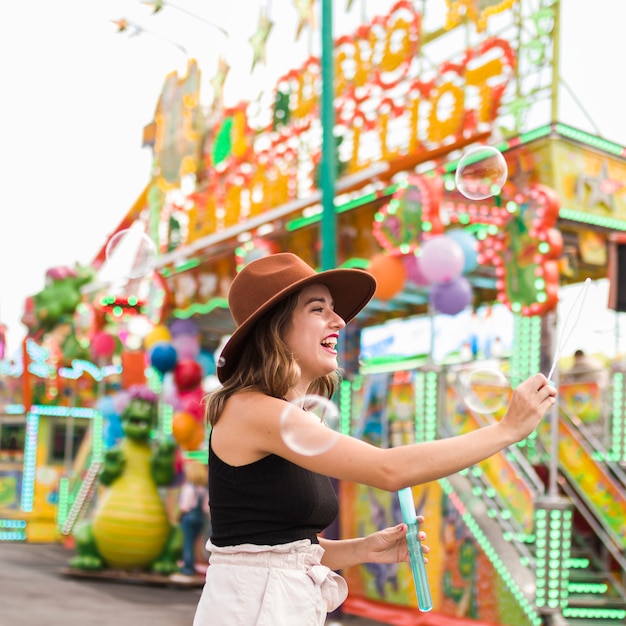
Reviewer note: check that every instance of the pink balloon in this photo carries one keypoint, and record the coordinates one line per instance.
(186, 346)
(414, 273)
(103, 345)
(441, 259)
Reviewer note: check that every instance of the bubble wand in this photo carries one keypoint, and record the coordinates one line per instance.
(565, 338)
(409, 516)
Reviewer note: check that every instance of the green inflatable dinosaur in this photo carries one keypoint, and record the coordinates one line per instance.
(130, 529)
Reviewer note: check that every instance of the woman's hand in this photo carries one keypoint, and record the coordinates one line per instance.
(529, 403)
(390, 546)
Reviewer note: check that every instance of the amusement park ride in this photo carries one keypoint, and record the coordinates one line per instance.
(533, 535)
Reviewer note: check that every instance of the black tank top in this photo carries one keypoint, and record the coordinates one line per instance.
(268, 502)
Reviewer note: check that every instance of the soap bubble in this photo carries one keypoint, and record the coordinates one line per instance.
(314, 431)
(481, 173)
(485, 390)
(132, 252)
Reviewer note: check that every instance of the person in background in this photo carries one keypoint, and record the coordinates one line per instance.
(194, 512)
(270, 563)
(586, 368)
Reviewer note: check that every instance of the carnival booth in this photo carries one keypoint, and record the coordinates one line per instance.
(472, 222)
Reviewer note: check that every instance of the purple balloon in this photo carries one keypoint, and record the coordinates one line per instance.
(451, 297)
(180, 327)
(413, 272)
(441, 259)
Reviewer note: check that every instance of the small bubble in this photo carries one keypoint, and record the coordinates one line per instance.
(310, 425)
(132, 252)
(485, 390)
(221, 362)
(481, 173)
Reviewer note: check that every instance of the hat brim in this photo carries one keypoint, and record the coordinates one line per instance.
(351, 290)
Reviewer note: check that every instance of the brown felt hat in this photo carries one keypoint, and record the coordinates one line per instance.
(263, 283)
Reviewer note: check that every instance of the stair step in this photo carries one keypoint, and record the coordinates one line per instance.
(601, 614)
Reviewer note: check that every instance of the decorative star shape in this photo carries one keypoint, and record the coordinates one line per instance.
(217, 82)
(601, 188)
(305, 15)
(259, 38)
(130, 28)
(156, 5)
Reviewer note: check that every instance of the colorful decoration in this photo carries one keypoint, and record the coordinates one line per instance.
(305, 15)
(163, 357)
(478, 11)
(217, 82)
(516, 234)
(441, 259)
(56, 303)
(177, 141)
(187, 431)
(469, 246)
(187, 375)
(389, 273)
(380, 85)
(452, 296)
(103, 346)
(159, 334)
(258, 40)
(130, 528)
(399, 224)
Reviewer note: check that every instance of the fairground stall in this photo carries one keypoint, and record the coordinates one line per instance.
(469, 285)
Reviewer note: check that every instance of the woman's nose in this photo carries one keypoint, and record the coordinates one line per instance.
(337, 321)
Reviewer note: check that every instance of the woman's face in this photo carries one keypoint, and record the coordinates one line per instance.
(313, 333)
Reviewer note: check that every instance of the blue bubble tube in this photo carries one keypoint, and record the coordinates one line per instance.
(409, 517)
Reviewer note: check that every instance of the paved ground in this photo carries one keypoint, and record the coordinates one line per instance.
(34, 592)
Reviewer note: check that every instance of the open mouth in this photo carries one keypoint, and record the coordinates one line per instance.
(330, 343)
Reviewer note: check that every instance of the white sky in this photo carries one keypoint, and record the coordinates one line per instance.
(76, 96)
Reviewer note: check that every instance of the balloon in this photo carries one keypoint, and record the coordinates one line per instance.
(469, 245)
(186, 430)
(389, 273)
(183, 426)
(207, 362)
(413, 272)
(159, 334)
(187, 347)
(451, 297)
(441, 259)
(196, 440)
(163, 357)
(183, 327)
(188, 374)
(191, 402)
(103, 345)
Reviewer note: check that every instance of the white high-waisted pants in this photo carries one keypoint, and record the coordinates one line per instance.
(283, 585)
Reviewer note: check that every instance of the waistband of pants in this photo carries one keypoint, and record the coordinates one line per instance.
(298, 555)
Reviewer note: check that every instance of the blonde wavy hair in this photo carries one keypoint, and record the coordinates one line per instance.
(266, 364)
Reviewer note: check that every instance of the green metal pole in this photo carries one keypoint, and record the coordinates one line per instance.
(327, 173)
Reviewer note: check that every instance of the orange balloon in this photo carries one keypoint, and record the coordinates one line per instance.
(389, 273)
(196, 440)
(183, 427)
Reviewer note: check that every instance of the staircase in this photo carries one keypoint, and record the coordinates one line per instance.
(83, 497)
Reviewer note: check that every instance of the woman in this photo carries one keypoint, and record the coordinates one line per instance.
(268, 564)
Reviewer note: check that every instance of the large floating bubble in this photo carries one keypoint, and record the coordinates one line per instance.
(481, 173)
(313, 432)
